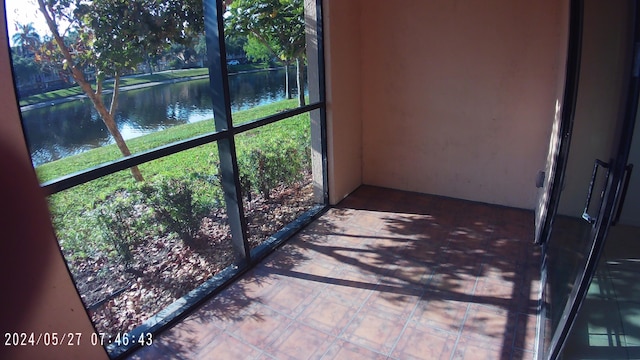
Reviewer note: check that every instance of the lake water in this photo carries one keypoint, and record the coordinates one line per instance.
(66, 129)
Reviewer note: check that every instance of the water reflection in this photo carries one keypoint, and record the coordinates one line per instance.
(70, 128)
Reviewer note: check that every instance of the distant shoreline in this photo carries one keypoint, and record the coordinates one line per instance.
(124, 88)
(63, 100)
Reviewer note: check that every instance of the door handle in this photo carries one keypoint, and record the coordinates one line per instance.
(598, 163)
(627, 171)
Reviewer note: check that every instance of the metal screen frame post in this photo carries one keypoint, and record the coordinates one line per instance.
(221, 98)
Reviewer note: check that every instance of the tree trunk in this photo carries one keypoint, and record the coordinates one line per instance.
(94, 96)
(287, 88)
(300, 81)
(106, 116)
(122, 145)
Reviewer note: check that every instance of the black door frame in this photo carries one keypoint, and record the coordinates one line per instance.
(569, 100)
(614, 187)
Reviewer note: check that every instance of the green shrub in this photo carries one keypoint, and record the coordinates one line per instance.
(175, 206)
(77, 228)
(123, 219)
(78, 238)
(207, 189)
(270, 163)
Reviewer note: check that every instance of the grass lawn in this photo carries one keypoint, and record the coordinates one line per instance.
(88, 159)
(70, 208)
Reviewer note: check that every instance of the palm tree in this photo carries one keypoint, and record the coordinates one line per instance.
(27, 38)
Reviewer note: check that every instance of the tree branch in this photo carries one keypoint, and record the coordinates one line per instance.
(78, 76)
(116, 92)
(53, 27)
(99, 83)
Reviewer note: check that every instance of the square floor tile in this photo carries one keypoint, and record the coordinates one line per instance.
(452, 285)
(395, 301)
(189, 336)
(374, 330)
(260, 327)
(489, 325)
(300, 342)
(409, 273)
(442, 314)
(158, 352)
(247, 290)
(424, 343)
(328, 314)
(501, 269)
(351, 286)
(226, 346)
(315, 268)
(343, 350)
(470, 349)
(525, 334)
(290, 298)
(495, 292)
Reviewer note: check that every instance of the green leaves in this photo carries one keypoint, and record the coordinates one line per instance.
(175, 206)
(271, 162)
(278, 25)
(27, 37)
(123, 220)
(120, 34)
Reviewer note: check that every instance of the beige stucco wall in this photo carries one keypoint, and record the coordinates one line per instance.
(343, 83)
(458, 98)
(37, 293)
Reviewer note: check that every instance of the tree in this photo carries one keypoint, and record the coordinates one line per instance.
(256, 51)
(278, 26)
(50, 59)
(23, 68)
(27, 38)
(182, 55)
(234, 46)
(201, 49)
(114, 36)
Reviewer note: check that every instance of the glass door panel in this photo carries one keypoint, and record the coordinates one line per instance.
(608, 323)
(599, 111)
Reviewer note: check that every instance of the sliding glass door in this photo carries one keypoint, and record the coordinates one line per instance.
(599, 131)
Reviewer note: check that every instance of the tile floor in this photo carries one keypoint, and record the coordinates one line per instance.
(384, 275)
(608, 324)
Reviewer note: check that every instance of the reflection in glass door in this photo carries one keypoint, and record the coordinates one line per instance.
(593, 171)
(608, 323)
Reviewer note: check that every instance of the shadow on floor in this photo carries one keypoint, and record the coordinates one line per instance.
(385, 274)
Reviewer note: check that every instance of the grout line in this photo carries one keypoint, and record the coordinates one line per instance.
(459, 336)
(340, 335)
(260, 351)
(413, 311)
(464, 319)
